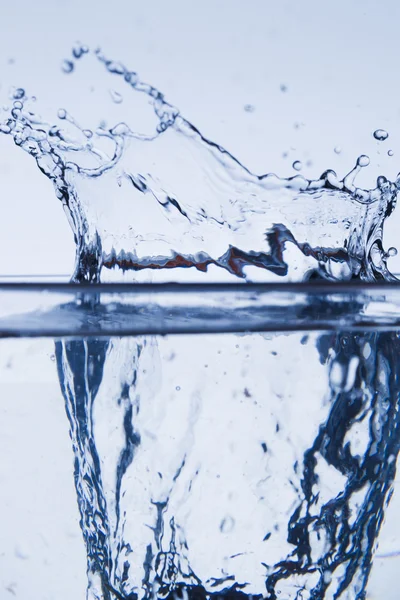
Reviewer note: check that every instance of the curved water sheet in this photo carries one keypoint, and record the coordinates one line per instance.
(255, 466)
(171, 198)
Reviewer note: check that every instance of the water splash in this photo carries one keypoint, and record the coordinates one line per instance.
(131, 209)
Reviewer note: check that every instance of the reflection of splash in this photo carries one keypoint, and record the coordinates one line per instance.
(332, 531)
(175, 199)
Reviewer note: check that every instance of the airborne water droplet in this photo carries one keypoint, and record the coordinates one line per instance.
(381, 135)
(18, 94)
(337, 150)
(297, 165)
(390, 152)
(67, 66)
(78, 50)
(249, 108)
(62, 113)
(363, 161)
(116, 97)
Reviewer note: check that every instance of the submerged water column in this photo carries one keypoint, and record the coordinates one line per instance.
(231, 466)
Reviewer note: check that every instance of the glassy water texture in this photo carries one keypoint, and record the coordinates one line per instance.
(204, 465)
(258, 465)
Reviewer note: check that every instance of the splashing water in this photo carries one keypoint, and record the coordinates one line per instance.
(131, 209)
(145, 467)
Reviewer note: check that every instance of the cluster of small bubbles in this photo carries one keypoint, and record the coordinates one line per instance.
(337, 150)
(297, 165)
(390, 153)
(116, 97)
(381, 135)
(67, 66)
(249, 108)
(363, 161)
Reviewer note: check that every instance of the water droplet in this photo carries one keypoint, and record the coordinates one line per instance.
(363, 161)
(178, 388)
(21, 552)
(62, 113)
(131, 77)
(390, 153)
(337, 150)
(18, 94)
(227, 525)
(78, 50)
(391, 252)
(381, 135)
(52, 357)
(115, 67)
(67, 66)
(283, 87)
(116, 97)
(249, 108)
(297, 165)
(381, 181)
(88, 133)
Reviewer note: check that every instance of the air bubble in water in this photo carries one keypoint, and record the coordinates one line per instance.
(67, 66)
(227, 525)
(381, 135)
(363, 160)
(297, 165)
